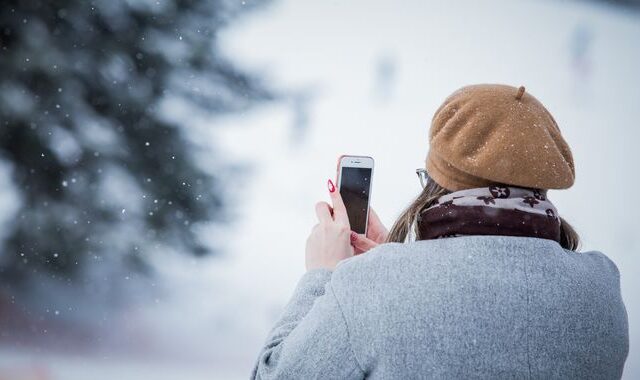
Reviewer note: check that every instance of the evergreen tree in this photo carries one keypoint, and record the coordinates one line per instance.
(102, 174)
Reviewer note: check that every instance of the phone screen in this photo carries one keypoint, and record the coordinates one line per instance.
(354, 189)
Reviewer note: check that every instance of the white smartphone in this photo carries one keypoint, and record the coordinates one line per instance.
(355, 174)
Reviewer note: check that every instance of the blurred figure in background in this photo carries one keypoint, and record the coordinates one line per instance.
(581, 65)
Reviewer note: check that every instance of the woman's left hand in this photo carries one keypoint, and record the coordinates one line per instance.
(376, 234)
(329, 241)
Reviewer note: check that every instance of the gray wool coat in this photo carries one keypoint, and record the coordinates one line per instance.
(456, 308)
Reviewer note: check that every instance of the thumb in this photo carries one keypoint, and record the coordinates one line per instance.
(362, 243)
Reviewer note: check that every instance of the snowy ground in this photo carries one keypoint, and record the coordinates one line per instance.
(18, 365)
(374, 73)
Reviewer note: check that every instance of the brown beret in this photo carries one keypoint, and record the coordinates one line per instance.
(495, 134)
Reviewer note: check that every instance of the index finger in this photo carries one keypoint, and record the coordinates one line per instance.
(339, 210)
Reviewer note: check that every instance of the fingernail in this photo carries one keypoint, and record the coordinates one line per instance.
(354, 236)
(330, 186)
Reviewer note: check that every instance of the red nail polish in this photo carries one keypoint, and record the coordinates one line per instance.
(331, 187)
(354, 236)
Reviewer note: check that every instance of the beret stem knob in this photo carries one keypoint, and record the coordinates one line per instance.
(520, 93)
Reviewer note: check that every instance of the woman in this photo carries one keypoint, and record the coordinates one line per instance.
(478, 278)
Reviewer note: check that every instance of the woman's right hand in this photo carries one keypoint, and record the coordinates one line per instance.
(376, 234)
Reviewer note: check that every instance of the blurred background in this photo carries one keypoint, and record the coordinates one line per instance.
(160, 159)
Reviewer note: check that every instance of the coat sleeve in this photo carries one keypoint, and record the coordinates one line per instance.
(311, 339)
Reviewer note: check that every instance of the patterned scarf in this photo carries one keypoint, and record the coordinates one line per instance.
(495, 210)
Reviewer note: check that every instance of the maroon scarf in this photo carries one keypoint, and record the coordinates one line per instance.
(495, 210)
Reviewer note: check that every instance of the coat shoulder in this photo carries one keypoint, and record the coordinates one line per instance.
(373, 257)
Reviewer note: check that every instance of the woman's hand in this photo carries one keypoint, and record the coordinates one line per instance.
(376, 234)
(329, 241)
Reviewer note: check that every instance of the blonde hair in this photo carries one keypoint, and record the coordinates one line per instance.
(406, 223)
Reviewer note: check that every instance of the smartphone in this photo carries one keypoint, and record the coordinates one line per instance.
(354, 181)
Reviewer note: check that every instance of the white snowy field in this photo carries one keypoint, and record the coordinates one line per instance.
(377, 71)
(370, 75)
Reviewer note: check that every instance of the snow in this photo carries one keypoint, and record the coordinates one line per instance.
(51, 365)
(434, 48)
(368, 77)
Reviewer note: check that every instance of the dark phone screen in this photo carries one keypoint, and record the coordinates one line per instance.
(354, 189)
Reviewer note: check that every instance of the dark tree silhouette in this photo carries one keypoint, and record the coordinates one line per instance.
(101, 173)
